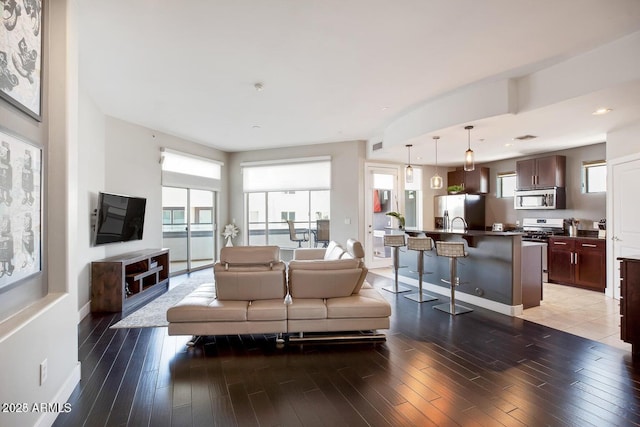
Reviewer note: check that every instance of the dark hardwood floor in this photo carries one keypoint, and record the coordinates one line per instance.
(477, 369)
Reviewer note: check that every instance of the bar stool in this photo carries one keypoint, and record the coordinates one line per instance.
(453, 251)
(420, 244)
(395, 241)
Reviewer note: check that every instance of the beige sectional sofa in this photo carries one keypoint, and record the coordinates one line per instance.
(324, 291)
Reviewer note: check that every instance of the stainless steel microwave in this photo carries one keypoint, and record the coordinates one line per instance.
(547, 198)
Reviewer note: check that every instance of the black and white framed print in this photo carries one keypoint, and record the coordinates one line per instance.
(21, 55)
(20, 209)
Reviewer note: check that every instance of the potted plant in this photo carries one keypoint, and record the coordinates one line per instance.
(455, 189)
(399, 217)
(230, 232)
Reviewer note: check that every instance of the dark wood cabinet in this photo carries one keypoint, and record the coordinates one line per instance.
(541, 172)
(590, 264)
(474, 182)
(578, 262)
(560, 260)
(124, 282)
(630, 303)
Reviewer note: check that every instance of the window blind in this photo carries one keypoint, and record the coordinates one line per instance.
(190, 171)
(299, 174)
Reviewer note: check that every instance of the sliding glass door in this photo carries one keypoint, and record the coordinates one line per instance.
(188, 228)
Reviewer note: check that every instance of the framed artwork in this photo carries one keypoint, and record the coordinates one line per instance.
(20, 209)
(21, 55)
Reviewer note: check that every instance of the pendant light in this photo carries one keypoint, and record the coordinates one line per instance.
(436, 180)
(468, 155)
(408, 172)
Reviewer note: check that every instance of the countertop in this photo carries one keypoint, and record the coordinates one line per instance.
(471, 236)
(577, 237)
(629, 258)
(471, 232)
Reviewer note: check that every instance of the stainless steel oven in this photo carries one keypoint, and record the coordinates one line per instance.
(539, 230)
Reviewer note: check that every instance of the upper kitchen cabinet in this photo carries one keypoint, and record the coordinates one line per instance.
(541, 172)
(474, 182)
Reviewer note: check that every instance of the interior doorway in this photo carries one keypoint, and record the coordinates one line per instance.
(381, 196)
(623, 227)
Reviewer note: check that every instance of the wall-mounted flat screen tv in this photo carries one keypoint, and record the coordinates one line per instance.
(119, 218)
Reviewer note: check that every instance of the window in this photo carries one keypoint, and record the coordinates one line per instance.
(171, 215)
(288, 216)
(594, 177)
(413, 201)
(506, 184)
(203, 215)
(297, 190)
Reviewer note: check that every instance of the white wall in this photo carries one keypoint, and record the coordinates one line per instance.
(91, 173)
(624, 141)
(585, 207)
(347, 194)
(124, 158)
(47, 329)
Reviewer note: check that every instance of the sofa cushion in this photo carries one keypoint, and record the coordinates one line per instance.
(355, 249)
(202, 309)
(309, 253)
(321, 264)
(367, 303)
(250, 285)
(250, 273)
(307, 308)
(273, 309)
(251, 255)
(334, 251)
(323, 283)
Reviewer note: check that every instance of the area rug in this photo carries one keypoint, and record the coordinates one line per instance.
(154, 314)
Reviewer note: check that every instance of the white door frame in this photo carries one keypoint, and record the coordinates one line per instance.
(369, 169)
(613, 244)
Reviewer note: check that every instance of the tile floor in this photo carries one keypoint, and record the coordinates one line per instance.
(588, 314)
(580, 312)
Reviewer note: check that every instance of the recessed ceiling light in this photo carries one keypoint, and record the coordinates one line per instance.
(259, 86)
(601, 111)
(508, 144)
(384, 108)
(256, 127)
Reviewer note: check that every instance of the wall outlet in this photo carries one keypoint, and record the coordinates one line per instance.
(44, 371)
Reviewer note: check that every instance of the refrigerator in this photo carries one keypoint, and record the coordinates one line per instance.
(468, 206)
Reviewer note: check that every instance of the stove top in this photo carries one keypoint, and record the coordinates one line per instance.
(539, 229)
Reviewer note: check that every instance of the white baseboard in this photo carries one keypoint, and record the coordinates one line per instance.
(48, 418)
(498, 307)
(84, 311)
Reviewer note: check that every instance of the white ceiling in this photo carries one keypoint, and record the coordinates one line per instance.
(341, 70)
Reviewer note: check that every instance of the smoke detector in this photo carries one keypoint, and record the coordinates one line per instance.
(525, 137)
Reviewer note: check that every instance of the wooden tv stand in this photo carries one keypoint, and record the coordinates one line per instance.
(125, 282)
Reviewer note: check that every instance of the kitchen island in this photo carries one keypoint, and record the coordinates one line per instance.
(501, 272)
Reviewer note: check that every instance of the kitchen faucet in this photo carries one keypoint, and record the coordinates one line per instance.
(466, 226)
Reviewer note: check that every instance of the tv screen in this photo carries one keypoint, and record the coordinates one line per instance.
(119, 218)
